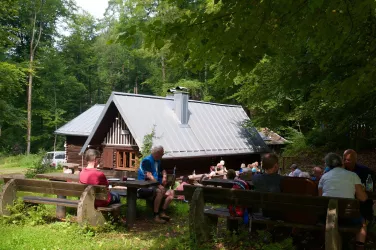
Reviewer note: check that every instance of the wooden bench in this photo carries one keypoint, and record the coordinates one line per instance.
(86, 212)
(203, 220)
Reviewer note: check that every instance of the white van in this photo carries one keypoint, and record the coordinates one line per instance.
(54, 158)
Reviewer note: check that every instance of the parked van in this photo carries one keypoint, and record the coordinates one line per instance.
(54, 158)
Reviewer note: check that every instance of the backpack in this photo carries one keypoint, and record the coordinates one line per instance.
(239, 211)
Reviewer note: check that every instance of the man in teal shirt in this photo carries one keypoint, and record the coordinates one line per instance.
(151, 169)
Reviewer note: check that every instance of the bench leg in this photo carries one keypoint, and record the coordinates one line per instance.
(211, 222)
(86, 212)
(232, 225)
(332, 236)
(131, 206)
(60, 210)
(198, 228)
(8, 197)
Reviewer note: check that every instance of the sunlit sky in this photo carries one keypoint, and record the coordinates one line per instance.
(94, 7)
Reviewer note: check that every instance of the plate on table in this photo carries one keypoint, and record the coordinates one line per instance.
(131, 179)
(113, 179)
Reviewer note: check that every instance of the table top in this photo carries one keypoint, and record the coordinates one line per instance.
(70, 165)
(60, 177)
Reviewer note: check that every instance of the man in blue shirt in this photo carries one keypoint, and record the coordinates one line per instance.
(350, 162)
(151, 169)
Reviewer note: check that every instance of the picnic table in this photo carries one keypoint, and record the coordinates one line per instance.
(72, 166)
(132, 186)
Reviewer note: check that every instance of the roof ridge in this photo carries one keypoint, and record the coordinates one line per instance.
(169, 98)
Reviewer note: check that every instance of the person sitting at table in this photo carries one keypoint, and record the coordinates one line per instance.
(90, 175)
(304, 175)
(317, 173)
(271, 180)
(184, 181)
(295, 171)
(231, 174)
(342, 183)
(212, 171)
(151, 169)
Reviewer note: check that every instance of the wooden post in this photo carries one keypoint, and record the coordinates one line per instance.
(8, 196)
(131, 205)
(332, 237)
(86, 212)
(199, 229)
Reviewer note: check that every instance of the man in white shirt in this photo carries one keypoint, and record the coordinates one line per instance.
(295, 171)
(342, 183)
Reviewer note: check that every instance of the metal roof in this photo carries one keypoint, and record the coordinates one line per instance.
(83, 124)
(213, 129)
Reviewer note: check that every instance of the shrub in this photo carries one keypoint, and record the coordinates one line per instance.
(37, 167)
(22, 214)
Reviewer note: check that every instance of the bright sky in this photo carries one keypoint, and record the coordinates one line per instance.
(94, 7)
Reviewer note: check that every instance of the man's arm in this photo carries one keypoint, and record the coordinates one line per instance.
(146, 167)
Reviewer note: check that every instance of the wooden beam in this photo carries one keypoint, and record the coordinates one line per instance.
(332, 237)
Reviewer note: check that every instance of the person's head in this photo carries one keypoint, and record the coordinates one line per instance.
(92, 156)
(242, 165)
(185, 179)
(333, 160)
(157, 152)
(249, 166)
(304, 175)
(231, 174)
(269, 162)
(219, 166)
(317, 172)
(349, 159)
(212, 168)
(293, 167)
(256, 164)
(222, 162)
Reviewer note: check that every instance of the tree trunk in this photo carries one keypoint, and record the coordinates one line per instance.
(163, 69)
(30, 87)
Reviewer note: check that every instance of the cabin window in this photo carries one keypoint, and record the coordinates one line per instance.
(126, 159)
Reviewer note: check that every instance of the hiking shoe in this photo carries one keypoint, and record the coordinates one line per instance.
(164, 216)
(158, 220)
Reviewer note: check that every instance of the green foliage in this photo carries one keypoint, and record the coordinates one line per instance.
(21, 214)
(297, 143)
(37, 166)
(147, 143)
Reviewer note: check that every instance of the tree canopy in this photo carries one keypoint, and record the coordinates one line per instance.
(294, 65)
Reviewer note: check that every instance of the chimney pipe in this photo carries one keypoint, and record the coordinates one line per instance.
(181, 104)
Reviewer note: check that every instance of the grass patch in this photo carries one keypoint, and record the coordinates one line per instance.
(17, 164)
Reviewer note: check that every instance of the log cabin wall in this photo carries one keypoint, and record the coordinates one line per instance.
(73, 148)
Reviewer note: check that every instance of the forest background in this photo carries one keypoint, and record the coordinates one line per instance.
(304, 68)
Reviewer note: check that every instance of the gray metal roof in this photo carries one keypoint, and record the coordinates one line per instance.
(213, 129)
(83, 124)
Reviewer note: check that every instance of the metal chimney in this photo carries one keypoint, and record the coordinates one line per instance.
(181, 104)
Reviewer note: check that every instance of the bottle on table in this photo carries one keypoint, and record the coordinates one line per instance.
(369, 184)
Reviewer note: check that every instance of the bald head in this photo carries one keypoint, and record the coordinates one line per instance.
(349, 159)
(317, 172)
